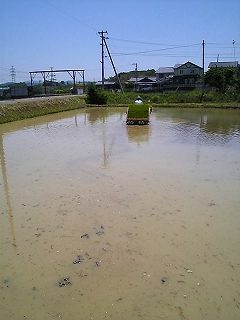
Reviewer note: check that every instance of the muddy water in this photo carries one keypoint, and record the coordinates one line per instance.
(104, 221)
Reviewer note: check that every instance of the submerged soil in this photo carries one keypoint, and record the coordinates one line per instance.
(100, 220)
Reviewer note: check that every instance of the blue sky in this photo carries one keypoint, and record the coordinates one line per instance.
(63, 34)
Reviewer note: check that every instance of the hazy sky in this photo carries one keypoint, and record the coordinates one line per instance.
(63, 34)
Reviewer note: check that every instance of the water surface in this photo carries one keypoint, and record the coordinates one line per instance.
(142, 222)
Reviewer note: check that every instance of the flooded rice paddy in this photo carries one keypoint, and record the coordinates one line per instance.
(100, 220)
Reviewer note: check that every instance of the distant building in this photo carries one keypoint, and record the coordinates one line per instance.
(217, 64)
(19, 92)
(186, 76)
(143, 83)
(187, 70)
(5, 92)
(181, 77)
(108, 85)
(164, 73)
(78, 90)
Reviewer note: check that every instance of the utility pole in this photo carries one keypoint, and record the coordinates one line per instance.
(136, 76)
(234, 50)
(101, 33)
(13, 73)
(203, 45)
(113, 66)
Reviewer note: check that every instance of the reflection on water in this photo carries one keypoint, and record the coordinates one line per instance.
(7, 195)
(132, 221)
(211, 126)
(138, 134)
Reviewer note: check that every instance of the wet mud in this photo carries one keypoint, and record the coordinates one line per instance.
(100, 220)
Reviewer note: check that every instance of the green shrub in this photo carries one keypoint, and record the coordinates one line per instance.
(155, 98)
(195, 96)
(95, 95)
(59, 91)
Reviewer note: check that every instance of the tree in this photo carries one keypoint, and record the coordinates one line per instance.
(221, 78)
(95, 96)
(18, 84)
(129, 85)
(230, 76)
(37, 89)
(237, 83)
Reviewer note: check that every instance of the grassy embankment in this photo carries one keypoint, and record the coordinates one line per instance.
(33, 108)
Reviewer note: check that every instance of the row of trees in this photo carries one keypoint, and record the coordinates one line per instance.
(223, 78)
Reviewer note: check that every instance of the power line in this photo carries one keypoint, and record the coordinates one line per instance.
(69, 15)
(18, 71)
(170, 47)
(157, 50)
(220, 44)
(173, 45)
(156, 44)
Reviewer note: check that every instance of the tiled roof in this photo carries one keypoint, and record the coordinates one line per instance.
(165, 70)
(187, 64)
(177, 65)
(133, 79)
(223, 64)
(105, 83)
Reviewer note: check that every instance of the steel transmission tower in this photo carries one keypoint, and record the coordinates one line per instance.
(53, 76)
(13, 73)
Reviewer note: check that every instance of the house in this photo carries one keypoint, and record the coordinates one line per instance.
(142, 83)
(164, 73)
(186, 76)
(164, 76)
(187, 73)
(217, 64)
(108, 85)
(182, 77)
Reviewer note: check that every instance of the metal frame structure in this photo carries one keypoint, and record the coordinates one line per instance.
(45, 74)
